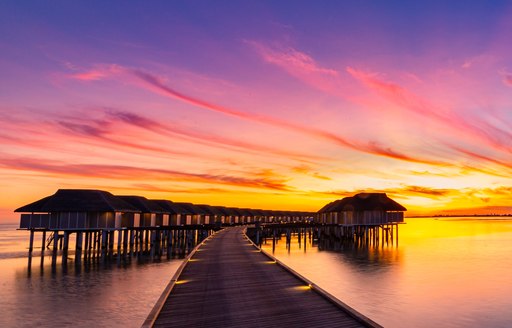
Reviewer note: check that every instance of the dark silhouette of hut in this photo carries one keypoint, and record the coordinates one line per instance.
(197, 214)
(151, 214)
(362, 209)
(213, 216)
(179, 214)
(77, 209)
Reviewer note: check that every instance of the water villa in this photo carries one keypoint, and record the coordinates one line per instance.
(362, 209)
(140, 225)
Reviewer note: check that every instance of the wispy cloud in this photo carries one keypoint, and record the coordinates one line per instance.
(294, 61)
(157, 85)
(492, 135)
(131, 173)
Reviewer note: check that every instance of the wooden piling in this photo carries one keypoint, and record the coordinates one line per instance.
(65, 248)
(78, 248)
(30, 248)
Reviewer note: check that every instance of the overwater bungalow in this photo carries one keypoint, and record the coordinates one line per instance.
(197, 214)
(151, 214)
(362, 209)
(213, 216)
(70, 209)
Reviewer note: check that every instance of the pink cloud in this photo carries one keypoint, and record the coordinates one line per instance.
(493, 136)
(157, 85)
(507, 79)
(136, 173)
(292, 60)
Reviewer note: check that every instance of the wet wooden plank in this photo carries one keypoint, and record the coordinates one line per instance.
(228, 283)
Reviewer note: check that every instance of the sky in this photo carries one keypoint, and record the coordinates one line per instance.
(262, 104)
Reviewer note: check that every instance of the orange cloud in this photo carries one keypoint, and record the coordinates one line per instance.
(129, 172)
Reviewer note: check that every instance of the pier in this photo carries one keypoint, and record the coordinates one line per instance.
(229, 282)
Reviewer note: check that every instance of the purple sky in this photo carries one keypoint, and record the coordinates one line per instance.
(272, 104)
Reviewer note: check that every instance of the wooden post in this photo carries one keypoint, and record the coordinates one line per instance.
(152, 245)
(169, 243)
(43, 243)
(78, 251)
(103, 244)
(55, 247)
(65, 248)
(43, 247)
(86, 246)
(30, 248)
(96, 242)
(147, 240)
(111, 244)
(132, 241)
(119, 240)
(125, 243)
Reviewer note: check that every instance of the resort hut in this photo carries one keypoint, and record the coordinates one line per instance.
(363, 209)
(69, 209)
(247, 215)
(214, 214)
(152, 214)
(166, 206)
(196, 215)
(179, 215)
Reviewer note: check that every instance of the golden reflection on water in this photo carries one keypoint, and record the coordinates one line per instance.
(444, 272)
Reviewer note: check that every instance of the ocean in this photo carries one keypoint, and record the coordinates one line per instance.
(100, 296)
(450, 272)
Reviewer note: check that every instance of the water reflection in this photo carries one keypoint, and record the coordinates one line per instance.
(445, 272)
(97, 295)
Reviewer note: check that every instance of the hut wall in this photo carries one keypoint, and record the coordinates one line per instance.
(395, 216)
(118, 220)
(188, 220)
(175, 219)
(146, 219)
(28, 221)
(165, 219)
(159, 219)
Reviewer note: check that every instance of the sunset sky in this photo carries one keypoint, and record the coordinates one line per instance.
(264, 104)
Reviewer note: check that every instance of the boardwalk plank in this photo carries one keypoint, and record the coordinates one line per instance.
(228, 283)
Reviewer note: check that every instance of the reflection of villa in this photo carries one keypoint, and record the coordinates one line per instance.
(362, 209)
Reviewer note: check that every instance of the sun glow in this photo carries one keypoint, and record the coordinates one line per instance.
(262, 117)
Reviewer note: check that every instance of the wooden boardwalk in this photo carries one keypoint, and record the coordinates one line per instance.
(229, 283)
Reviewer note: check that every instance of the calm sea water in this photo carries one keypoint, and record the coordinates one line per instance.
(444, 273)
(101, 296)
(452, 272)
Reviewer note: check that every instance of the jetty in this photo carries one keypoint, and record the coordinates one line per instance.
(226, 280)
(229, 282)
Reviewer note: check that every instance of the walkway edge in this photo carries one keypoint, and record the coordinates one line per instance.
(153, 314)
(351, 311)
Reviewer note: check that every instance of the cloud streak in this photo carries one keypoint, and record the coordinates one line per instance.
(130, 173)
(493, 136)
(155, 84)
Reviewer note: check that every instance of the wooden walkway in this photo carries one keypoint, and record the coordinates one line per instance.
(229, 283)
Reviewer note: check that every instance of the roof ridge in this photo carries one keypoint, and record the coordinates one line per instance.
(102, 194)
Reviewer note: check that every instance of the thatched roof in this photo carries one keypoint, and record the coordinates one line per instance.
(78, 200)
(192, 209)
(211, 210)
(363, 202)
(166, 205)
(143, 204)
(173, 208)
